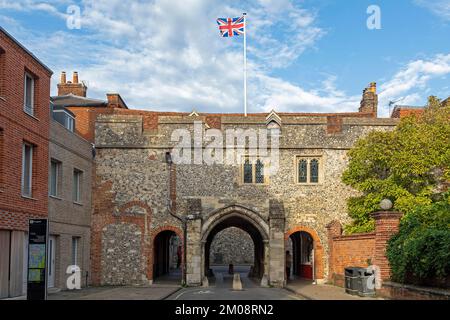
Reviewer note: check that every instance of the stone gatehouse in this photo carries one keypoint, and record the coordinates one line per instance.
(142, 202)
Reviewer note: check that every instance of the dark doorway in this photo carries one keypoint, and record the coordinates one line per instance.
(167, 258)
(301, 246)
(256, 267)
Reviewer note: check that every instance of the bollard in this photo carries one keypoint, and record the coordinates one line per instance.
(237, 284)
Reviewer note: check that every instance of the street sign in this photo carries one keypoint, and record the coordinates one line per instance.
(37, 259)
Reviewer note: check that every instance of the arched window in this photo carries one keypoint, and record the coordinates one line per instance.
(302, 171)
(314, 171)
(308, 170)
(259, 172)
(248, 171)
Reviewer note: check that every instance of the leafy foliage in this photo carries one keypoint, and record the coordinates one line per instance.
(409, 165)
(421, 249)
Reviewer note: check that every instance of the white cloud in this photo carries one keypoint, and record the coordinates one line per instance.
(440, 8)
(49, 6)
(414, 77)
(161, 55)
(168, 55)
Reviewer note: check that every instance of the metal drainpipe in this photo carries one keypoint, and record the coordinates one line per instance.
(183, 222)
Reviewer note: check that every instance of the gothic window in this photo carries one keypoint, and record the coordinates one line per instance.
(314, 169)
(259, 172)
(308, 170)
(302, 171)
(248, 171)
(253, 171)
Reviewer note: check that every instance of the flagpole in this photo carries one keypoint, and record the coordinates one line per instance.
(245, 64)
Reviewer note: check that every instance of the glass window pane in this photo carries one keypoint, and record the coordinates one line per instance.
(259, 172)
(54, 178)
(76, 185)
(314, 168)
(29, 94)
(74, 250)
(302, 171)
(248, 174)
(27, 157)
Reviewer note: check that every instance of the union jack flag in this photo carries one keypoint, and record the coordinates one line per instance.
(230, 27)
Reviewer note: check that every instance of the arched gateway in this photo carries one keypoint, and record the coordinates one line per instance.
(268, 264)
(244, 219)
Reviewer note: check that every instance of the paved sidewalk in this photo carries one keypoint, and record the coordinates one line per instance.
(322, 291)
(155, 292)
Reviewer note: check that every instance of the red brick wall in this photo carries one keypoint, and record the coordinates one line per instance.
(17, 127)
(358, 250)
(350, 251)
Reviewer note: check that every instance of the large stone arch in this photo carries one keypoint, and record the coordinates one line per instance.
(318, 249)
(218, 216)
(241, 217)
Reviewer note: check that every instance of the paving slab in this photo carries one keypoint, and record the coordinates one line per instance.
(313, 291)
(158, 292)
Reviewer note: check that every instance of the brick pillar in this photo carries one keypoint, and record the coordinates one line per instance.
(386, 225)
(334, 229)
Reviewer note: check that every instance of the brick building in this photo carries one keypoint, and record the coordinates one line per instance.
(24, 134)
(70, 190)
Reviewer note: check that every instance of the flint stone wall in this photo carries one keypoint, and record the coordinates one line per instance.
(232, 245)
(132, 161)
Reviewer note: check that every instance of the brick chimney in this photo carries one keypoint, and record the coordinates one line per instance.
(71, 87)
(369, 102)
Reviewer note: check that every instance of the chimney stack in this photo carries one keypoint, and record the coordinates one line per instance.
(75, 77)
(63, 78)
(369, 102)
(75, 87)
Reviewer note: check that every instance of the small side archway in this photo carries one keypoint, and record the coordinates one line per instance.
(307, 253)
(167, 254)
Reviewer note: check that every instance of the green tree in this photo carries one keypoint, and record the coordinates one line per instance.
(409, 165)
(420, 251)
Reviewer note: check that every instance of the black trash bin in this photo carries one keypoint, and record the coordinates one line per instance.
(352, 284)
(366, 284)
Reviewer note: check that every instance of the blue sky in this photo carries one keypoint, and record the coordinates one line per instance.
(303, 56)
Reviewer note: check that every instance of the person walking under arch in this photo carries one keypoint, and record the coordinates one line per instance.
(288, 265)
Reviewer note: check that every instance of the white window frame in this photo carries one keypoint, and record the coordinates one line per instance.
(29, 110)
(68, 117)
(75, 243)
(58, 169)
(24, 145)
(69, 122)
(79, 174)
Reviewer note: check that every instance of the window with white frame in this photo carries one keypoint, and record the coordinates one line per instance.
(69, 123)
(77, 180)
(28, 105)
(75, 243)
(309, 170)
(253, 171)
(27, 169)
(54, 177)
